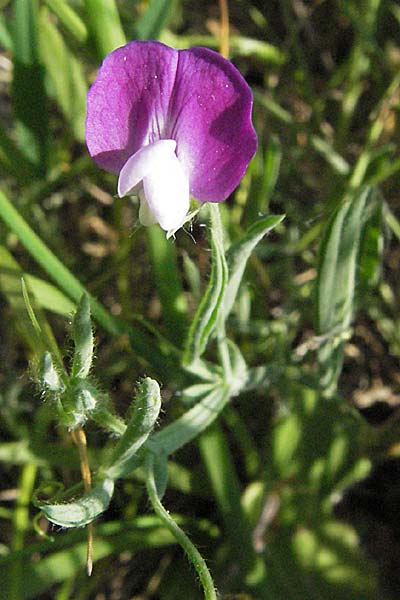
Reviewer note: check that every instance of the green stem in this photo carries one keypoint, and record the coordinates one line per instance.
(193, 554)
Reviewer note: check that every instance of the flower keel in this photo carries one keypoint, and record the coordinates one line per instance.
(156, 175)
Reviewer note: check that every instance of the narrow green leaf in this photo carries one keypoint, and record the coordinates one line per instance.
(192, 394)
(105, 418)
(24, 29)
(204, 370)
(191, 424)
(193, 276)
(145, 414)
(83, 511)
(104, 25)
(156, 17)
(336, 280)
(338, 262)
(29, 309)
(69, 18)
(83, 339)
(206, 316)
(239, 371)
(371, 250)
(239, 253)
(66, 75)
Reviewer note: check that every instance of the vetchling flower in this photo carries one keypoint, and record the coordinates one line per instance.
(172, 124)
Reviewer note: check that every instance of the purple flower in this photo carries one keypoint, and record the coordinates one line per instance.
(172, 124)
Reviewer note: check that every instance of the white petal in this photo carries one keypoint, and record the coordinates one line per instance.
(141, 163)
(166, 189)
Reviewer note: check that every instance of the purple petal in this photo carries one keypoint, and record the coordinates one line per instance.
(210, 118)
(128, 102)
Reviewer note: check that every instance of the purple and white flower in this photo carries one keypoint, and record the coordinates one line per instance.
(172, 124)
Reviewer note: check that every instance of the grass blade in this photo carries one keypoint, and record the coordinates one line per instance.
(69, 19)
(28, 90)
(156, 17)
(66, 75)
(104, 26)
(168, 282)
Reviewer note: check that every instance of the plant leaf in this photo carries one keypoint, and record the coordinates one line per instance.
(336, 281)
(239, 253)
(191, 424)
(83, 339)
(145, 414)
(206, 316)
(83, 511)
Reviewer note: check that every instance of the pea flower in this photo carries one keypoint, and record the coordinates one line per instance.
(172, 124)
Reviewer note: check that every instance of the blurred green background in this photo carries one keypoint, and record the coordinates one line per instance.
(275, 495)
